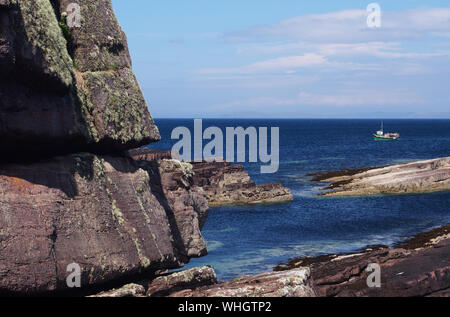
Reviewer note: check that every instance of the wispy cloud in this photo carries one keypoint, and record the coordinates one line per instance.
(350, 27)
(272, 65)
(343, 99)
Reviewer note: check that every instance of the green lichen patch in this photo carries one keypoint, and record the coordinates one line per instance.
(44, 36)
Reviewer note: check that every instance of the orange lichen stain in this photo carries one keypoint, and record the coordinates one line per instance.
(21, 184)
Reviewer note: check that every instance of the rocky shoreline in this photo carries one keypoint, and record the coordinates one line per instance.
(224, 183)
(417, 177)
(418, 267)
(76, 194)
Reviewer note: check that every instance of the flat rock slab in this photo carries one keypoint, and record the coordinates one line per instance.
(294, 283)
(418, 177)
(420, 267)
(404, 273)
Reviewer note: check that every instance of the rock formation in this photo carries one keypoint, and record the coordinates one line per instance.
(293, 283)
(66, 90)
(418, 177)
(419, 267)
(181, 281)
(224, 183)
(129, 290)
(69, 106)
(202, 282)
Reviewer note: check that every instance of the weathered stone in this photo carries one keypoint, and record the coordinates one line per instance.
(184, 201)
(150, 154)
(130, 290)
(405, 272)
(417, 177)
(189, 279)
(104, 213)
(294, 283)
(79, 83)
(226, 184)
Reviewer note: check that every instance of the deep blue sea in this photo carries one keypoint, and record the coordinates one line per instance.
(253, 239)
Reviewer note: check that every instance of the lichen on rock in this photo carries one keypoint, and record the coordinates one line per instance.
(82, 87)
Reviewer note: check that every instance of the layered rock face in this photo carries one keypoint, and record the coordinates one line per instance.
(294, 283)
(417, 268)
(107, 214)
(224, 183)
(202, 282)
(69, 106)
(416, 177)
(68, 88)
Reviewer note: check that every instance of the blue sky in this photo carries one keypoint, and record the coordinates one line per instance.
(290, 58)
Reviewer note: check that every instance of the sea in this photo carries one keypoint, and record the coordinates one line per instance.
(246, 240)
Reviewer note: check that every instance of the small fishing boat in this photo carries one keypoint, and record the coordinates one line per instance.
(381, 136)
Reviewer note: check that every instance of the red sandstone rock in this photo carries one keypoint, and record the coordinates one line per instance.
(104, 213)
(68, 94)
(224, 183)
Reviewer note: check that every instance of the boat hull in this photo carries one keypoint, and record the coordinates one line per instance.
(382, 138)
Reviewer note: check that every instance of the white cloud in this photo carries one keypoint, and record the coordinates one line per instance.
(282, 64)
(342, 99)
(334, 41)
(350, 26)
(361, 98)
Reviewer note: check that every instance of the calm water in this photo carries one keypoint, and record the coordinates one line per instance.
(252, 239)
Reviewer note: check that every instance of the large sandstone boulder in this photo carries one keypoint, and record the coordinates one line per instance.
(106, 214)
(66, 89)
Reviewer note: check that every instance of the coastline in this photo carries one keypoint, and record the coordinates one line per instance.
(417, 267)
(410, 178)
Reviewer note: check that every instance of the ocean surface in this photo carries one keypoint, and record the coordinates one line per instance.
(253, 239)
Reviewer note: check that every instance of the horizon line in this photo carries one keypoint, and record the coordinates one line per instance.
(299, 118)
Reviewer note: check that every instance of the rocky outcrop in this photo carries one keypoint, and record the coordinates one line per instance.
(293, 283)
(181, 198)
(202, 282)
(70, 106)
(224, 183)
(418, 177)
(420, 267)
(67, 89)
(129, 290)
(104, 213)
(184, 280)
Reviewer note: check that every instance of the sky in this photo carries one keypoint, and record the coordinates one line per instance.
(290, 58)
